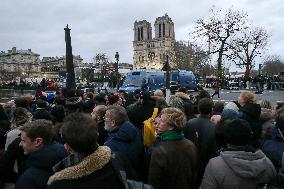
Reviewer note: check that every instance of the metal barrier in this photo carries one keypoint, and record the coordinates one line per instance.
(277, 85)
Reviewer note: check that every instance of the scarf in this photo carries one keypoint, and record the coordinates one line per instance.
(172, 135)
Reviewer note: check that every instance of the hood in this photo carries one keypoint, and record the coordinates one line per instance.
(126, 132)
(247, 164)
(253, 110)
(46, 157)
(266, 114)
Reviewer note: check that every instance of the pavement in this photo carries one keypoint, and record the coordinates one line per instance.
(274, 96)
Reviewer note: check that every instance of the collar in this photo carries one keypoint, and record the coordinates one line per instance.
(87, 166)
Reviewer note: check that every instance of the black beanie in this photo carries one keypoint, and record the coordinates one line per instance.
(238, 132)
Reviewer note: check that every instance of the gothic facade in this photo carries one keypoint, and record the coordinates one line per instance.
(149, 52)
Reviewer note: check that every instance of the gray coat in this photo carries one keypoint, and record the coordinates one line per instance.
(238, 169)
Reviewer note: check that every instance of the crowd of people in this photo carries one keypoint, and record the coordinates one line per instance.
(96, 140)
(259, 82)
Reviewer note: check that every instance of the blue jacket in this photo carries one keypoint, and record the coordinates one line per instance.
(127, 140)
(39, 166)
(274, 148)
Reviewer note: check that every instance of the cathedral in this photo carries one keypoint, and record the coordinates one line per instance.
(149, 52)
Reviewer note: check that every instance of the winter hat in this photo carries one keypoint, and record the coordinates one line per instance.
(238, 132)
(50, 96)
(231, 106)
(216, 119)
(229, 113)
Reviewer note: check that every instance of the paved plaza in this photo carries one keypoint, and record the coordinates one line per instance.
(231, 95)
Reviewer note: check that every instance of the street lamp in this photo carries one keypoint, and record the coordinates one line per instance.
(167, 68)
(116, 69)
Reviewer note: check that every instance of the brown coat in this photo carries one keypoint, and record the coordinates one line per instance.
(217, 87)
(173, 165)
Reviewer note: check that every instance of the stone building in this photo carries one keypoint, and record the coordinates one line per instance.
(54, 67)
(19, 63)
(150, 53)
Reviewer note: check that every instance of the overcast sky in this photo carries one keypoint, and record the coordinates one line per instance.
(107, 25)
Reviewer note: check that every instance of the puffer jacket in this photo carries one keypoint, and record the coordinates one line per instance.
(39, 166)
(126, 139)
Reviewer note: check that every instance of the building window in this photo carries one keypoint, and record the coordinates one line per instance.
(164, 30)
(160, 30)
(138, 34)
(142, 33)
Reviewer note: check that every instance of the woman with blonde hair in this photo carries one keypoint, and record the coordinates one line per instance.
(175, 155)
(265, 104)
(250, 111)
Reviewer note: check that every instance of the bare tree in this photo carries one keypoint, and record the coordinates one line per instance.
(249, 44)
(190, 57)
(218, 29)
(273, 65)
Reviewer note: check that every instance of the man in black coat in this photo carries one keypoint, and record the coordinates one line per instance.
(141, 111)
(201, 131)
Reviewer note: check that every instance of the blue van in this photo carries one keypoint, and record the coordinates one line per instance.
(152, 80)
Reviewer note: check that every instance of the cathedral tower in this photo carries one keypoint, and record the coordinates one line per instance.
(150, 52)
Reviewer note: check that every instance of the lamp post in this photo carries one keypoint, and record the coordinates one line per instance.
(116, 70)
(167, 68)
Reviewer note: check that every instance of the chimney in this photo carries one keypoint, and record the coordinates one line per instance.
(14, 50)
(30, 50)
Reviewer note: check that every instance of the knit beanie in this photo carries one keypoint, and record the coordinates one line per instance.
(230, 113)
(231, 106)
(238, 132)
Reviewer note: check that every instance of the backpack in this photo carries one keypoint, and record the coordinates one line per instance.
(121, 173)
(149, 135)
